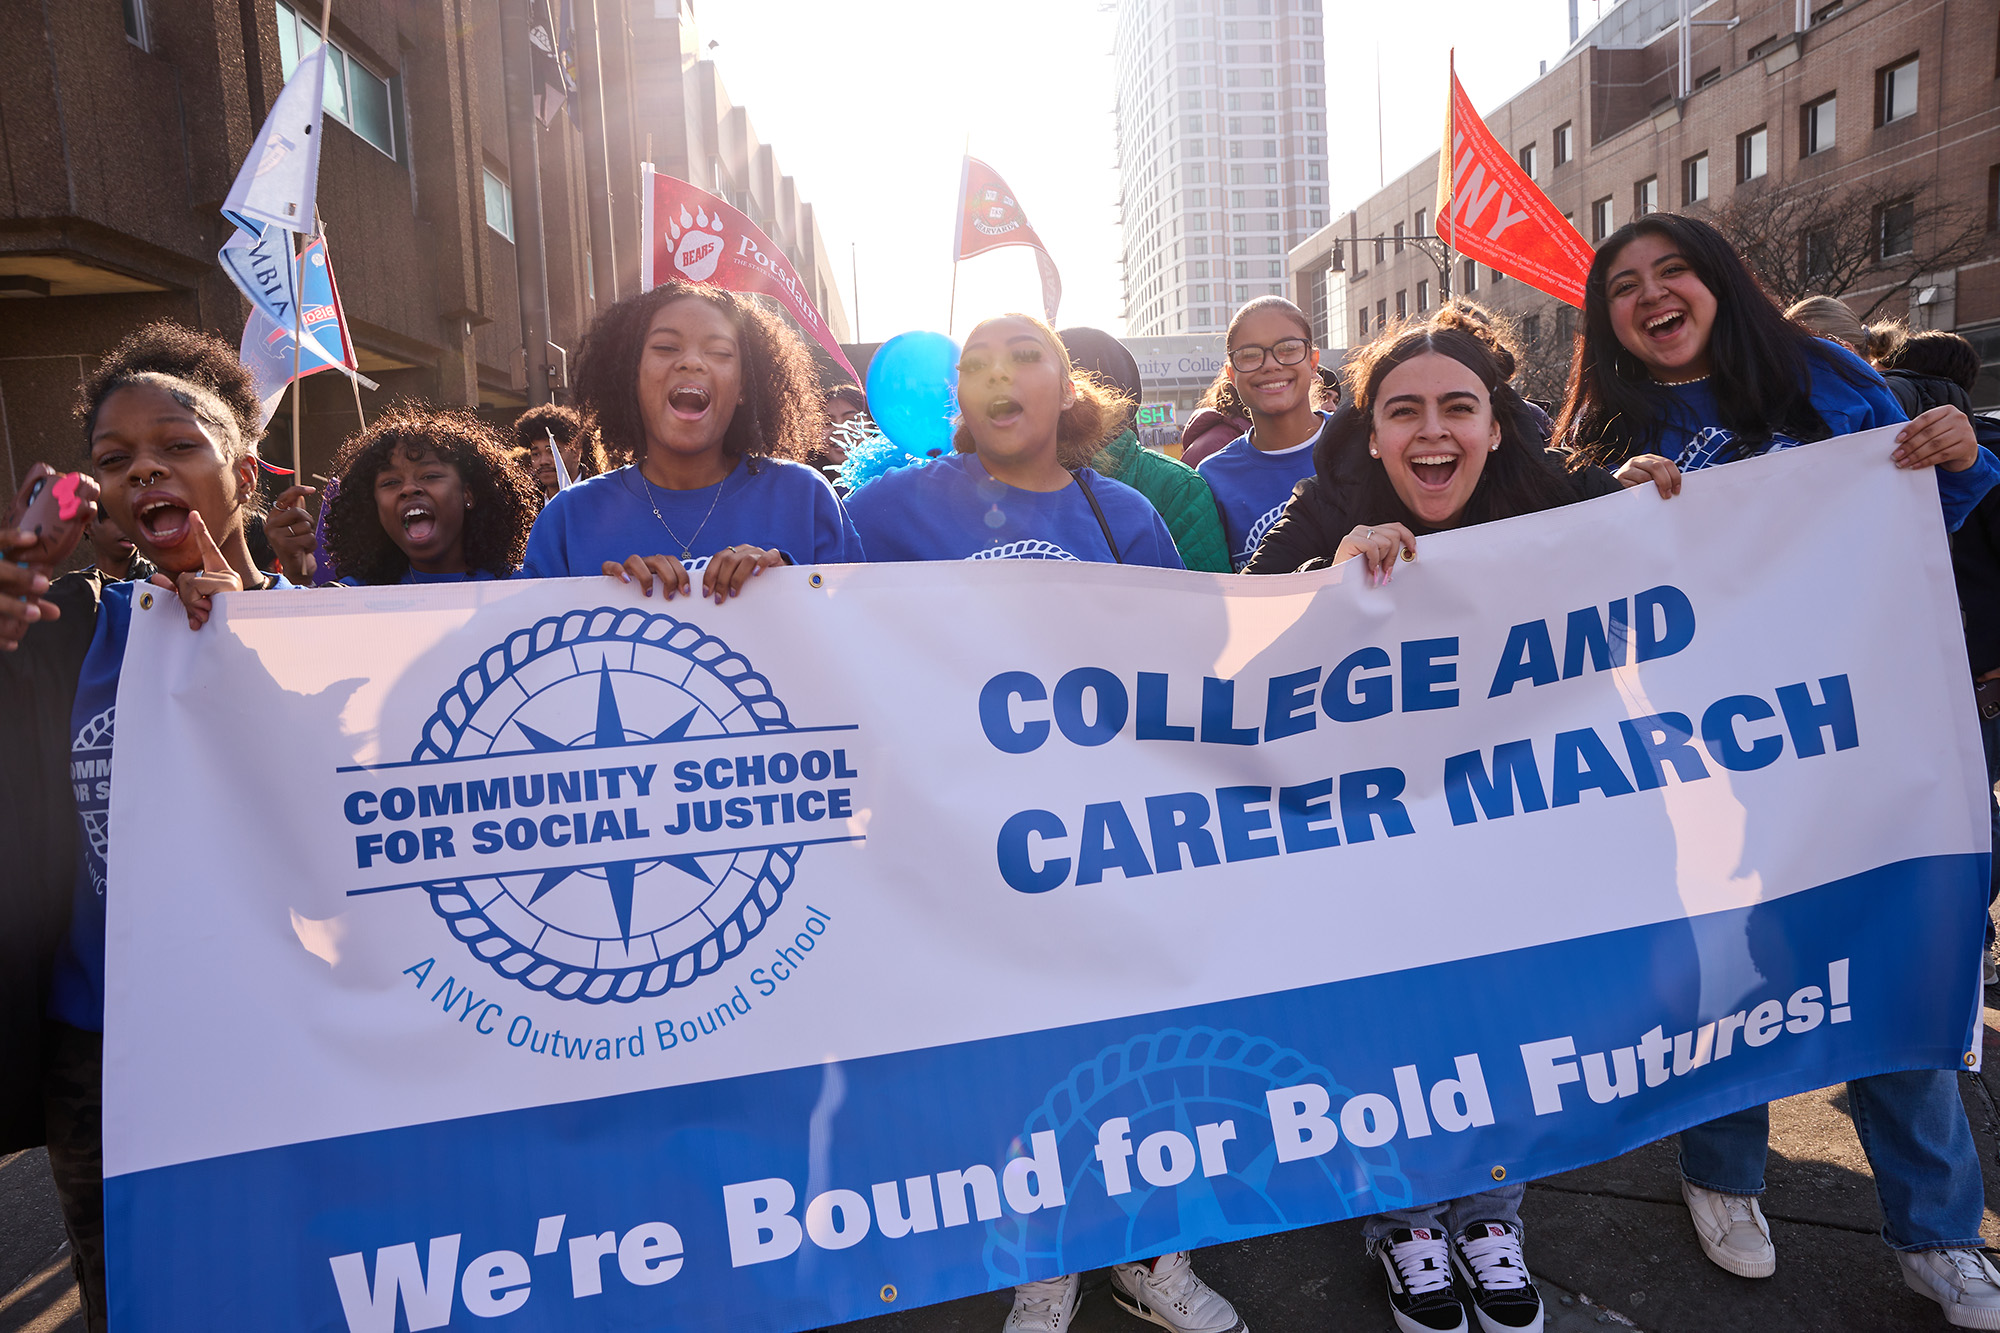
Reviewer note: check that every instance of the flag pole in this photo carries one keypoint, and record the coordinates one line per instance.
(298, 336)
(958, 233)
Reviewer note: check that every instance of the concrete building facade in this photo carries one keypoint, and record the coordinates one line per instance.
(1759, 112)
(1222, 153)
(122, 124)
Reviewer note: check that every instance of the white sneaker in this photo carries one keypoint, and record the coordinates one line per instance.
(1964, 1282)
(1167, 1292)
(1489, 1260)
(1417, 1264)
(1732, 1231)
(1044, 1307)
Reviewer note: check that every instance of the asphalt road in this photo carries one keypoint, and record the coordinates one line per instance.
(1610, 1245)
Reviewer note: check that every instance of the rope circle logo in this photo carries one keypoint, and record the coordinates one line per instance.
(1026, 550)
(607, 927)
(90, 772)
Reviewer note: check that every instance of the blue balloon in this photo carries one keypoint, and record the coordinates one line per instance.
(913, 392)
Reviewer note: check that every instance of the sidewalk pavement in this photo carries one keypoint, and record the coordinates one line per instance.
(1610, 1246)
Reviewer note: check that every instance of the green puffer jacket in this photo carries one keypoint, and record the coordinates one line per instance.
(1177, 491)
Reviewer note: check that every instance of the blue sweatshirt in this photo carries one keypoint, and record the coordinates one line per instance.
(1252, 487)
(780, 505)
(1690, 436)
(951, 508)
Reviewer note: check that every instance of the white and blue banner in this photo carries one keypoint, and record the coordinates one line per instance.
(538, 955)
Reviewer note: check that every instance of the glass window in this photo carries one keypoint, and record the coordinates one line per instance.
(1694, 179)
(1402, 305)
(1270, 222)
(499, 205)
(1896, 229)
(1818, 132)
(1470, 282)
(1897, 88)
(1752, 156)
(1275, 269)
(135, 22)
(1399, 238)
(1423, 295)
(352, 93)
(1364, 323)
(1562, 144)
(1423, 222)
(1382, 313)
(1242, 293)
(1646, 197)
(1528, 161)
(1601, 221)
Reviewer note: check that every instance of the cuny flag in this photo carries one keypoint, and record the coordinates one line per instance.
(1488, 209)
(322, 345)
(990, 217)
(279, 180)
(693, 236)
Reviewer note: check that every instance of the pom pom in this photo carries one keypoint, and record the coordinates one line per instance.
(870, 453)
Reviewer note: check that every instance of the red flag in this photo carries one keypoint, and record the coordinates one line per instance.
(1488, 209)
(692, 235)
(991, 217)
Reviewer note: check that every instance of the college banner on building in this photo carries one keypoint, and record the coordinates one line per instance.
(543, 954)
(696, 237)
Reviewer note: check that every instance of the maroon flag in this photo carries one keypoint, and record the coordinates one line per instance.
(991, 217)
(692, 235)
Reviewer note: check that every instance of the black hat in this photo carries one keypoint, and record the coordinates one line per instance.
(1095, 352)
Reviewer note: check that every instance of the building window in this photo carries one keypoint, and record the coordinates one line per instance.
(1528, 161)
(1242, 293)
(1819, 244)
(499, 205)
(1816, 126)
(1423, 295)
(1273, 246)
(1364, 323)
(1423, 223)
(1201, 291)
(1382, 313)
(1896, 228)
(1494, 275)
(1316, 218)
(1242, 268)
(1531, 329)
(1896, 91)
(353, 95)
(1270, 222)
(1694, 179)
(1402, 305)
(135, 23)
(1601, 222)
(1993, 198)
(1469, 282)
(1646, 197)
(1399, 238)
(1563, 139)
(1381, 251)
(1198, 269)
(1240, 246)
(1239, 222)
(1314, 196)
(1752, 157)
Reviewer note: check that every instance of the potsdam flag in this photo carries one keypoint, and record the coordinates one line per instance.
(990, 217)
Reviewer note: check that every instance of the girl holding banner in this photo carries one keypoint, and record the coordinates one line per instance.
(1448, 443)
(710, 401)
(1017, 490)
(171, 420)
(428, 495)
(1274, 369)
(1686, 364)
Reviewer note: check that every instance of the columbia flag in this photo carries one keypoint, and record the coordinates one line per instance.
(280, 177)
(261, 267)
(323, 345)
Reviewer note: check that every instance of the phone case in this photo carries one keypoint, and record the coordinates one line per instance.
(53, 507)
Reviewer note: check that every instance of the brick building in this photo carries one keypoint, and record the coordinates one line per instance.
(1870, 130)
(122, 123)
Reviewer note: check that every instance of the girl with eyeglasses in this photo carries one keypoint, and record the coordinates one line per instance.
(1274, 369)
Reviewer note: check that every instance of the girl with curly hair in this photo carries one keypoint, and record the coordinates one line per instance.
(1017, 488)
(536, 429)
(428, 496)
(171, 423)
(709, 400)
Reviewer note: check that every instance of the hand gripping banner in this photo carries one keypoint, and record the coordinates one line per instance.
(1488, 209)
(899, 932)
(696, 237)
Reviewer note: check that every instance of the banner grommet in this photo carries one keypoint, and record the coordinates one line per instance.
(1972, 1059)
(813, 580)
(888, 1288)
(1499, 1173)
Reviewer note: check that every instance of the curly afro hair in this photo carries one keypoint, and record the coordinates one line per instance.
(504, 500)
(198, 370)
(535, 425)
(780, 413)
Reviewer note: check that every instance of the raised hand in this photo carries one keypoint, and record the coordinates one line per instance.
(290, 530)
(197, 588)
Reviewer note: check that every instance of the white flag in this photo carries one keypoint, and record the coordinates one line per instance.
(555, 452)
(263, 269)
(280, 177)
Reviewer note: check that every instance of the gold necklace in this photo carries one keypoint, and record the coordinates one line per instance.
(687, 547)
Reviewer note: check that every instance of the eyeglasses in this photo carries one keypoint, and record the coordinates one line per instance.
(1287, 351)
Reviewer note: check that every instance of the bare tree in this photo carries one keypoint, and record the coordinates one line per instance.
(1803, 241)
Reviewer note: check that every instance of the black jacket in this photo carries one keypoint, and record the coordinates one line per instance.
(1975, 547)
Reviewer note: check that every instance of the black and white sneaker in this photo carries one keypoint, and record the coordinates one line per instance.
(1418, 1263)
(1488, 1257)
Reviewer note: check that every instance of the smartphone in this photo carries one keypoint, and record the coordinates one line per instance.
(54, 507)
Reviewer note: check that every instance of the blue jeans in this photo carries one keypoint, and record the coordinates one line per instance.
(1912, 1127)
(1450, 1216)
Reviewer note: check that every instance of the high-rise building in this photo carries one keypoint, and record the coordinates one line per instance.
(1222, 138)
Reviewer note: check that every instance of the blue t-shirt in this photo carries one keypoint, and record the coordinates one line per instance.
(415, 575)
(781, 505)
(76, 995)
(951, 508)
(1690, 436)
(1252, 487)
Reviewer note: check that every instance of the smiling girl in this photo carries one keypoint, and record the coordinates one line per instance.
(709, 399)
(1685, 362)
(1017, 488)
(1275, 370)
(428, 496)
(171, 422)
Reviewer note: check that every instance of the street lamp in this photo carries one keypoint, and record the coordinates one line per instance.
(1433, 248)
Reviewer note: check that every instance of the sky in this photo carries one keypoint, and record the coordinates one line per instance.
(870, 105)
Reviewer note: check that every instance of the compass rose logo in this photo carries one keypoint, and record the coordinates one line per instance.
(597, 923)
